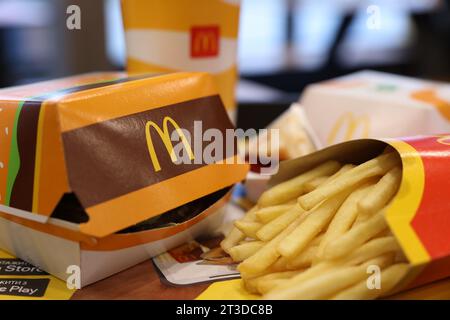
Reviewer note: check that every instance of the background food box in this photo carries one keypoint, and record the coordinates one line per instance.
(371, 104)
(419, 215)
(87, 156)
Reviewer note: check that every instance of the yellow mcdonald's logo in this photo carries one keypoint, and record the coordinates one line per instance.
(205, 42)
(432, 97)
(349, 123)
(165, 137)
(445, 140)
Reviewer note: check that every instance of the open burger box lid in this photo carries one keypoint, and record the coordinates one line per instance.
(87, 156)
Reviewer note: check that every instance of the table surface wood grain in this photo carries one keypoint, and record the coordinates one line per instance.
(142, 282)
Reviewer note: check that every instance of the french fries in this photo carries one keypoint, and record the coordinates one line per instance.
(314, 183)
(274, 227)
(248, 228)
(372, 249)
(381, 192)
(267, 255)
(243, 251)
(390, 277)
(355, 237)
(321, 246)
(344, 218)
(235, 236)
(293, 188)
(304, 259)
(253, 284)
(296, 241)
(268, 214)
(320, 287)
(375, 167)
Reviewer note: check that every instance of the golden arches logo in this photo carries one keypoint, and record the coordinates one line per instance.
(431, 96)
(205, 41)
(445, 140)
(165, 137)
(349, 123)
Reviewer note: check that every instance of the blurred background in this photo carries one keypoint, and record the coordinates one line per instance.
(283, 44)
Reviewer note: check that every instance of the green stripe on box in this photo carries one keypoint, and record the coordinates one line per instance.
(14, 159)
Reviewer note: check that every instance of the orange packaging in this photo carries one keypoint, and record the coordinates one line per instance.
(87, 156)
(418, 216)
(183, 35)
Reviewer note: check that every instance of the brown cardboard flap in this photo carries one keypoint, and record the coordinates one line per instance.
(355, 152)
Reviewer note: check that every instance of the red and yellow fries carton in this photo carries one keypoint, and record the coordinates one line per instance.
(372, 104)
(86, 161)
(418, 216)
(183, 35)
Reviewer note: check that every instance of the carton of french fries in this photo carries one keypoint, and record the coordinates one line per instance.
(358, 220)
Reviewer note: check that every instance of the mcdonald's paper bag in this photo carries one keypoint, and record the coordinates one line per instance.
(371, 104)
(418, 216)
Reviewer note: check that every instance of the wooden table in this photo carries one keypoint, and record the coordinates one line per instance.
(139, 282)
(143, 282)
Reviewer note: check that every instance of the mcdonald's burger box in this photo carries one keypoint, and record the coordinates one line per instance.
(93, 177)
(371, 104)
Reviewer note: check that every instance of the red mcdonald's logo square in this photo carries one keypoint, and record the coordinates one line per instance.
(205, 41)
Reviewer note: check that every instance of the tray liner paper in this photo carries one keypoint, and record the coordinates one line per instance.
(22, 281)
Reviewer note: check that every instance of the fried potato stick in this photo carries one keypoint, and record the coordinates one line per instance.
(381, 194)
(390, 277)
(310, 273)
(314, 223)
(293, 188)
(375, 167)
(267, 255)
(314, 183)
(235, 235)
(371, 249)
(327, 284)
(304, 259)
(355, 237)
(265, 215)
(253, 283)
(344, 218)
(249, 228)
(268, 231)
(245, 250)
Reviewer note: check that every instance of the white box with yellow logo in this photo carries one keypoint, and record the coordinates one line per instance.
(371, 104)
